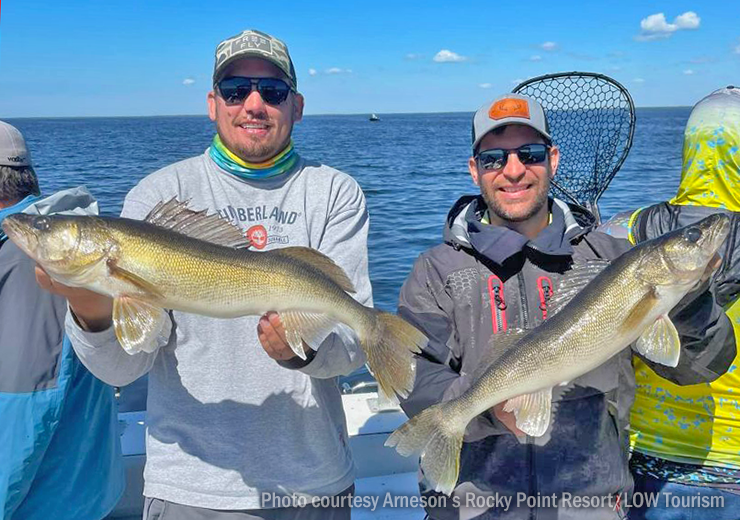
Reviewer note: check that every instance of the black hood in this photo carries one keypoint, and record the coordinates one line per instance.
(498, 243)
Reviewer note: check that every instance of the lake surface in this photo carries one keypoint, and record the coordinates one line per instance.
(412, 168)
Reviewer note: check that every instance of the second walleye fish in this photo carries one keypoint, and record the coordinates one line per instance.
(628, 301)
(170, 262)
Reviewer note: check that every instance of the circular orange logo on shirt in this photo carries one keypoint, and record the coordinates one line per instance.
(257, 236)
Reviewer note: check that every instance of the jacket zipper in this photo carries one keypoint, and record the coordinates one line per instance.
(498, 303)
(523, 300)
(544, 288)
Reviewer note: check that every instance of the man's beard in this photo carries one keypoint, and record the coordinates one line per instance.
(511, 215)
(264, 151)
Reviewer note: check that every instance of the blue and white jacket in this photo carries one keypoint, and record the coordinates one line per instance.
(60, 454)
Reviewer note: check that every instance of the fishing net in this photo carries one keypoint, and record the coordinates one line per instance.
(592, 121)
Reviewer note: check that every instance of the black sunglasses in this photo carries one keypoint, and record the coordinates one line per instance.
(495, 158)
(235, 89)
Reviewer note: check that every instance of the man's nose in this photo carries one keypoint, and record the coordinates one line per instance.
(254, 102)
(514, 169)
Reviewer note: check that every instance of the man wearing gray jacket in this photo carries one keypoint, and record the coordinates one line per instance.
(238, 426)
(503, 254)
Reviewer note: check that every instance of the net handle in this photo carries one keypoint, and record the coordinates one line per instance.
(593, 204)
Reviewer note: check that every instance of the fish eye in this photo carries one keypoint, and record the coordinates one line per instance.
(41, 223)
(693, 235)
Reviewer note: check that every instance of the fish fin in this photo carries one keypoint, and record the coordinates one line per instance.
(636, 317)
(390, 344)
(532, 411)
(137, 324)
(435, 437)
(573, 282)
(313, 328)
(319, 261)
(176, 216)
(500, 344)
(143, 285)
(660, 342)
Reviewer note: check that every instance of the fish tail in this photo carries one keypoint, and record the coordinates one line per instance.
(435, 436)
(390, 343)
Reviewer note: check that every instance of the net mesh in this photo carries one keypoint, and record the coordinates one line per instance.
(591, 120)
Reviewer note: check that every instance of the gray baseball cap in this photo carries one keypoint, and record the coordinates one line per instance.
(13, 150)
(509, 109)
(254, 44)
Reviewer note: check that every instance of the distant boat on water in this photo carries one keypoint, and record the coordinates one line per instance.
(374, 117)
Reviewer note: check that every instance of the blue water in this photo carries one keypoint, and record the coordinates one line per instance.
(411, 167)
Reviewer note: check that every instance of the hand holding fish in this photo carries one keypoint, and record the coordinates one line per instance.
(271, 333)
(508, 419)
(93, 311)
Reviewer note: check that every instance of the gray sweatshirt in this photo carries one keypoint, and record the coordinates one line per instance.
(227, 423)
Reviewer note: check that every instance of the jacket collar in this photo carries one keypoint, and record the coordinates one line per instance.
(498, 243)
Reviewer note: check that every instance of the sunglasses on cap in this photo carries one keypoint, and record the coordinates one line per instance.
(495, 158)
(235, 89)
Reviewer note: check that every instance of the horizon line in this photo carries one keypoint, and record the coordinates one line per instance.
(305, 115)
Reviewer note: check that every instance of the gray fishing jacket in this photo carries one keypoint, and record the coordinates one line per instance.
(486, 279)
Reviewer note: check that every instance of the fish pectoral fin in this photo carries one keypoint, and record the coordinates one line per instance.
(313, 328)
(320, 262)
(137, 324)
(532, 411)
(117, 272)
(660, 342)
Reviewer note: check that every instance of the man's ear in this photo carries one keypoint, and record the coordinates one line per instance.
(473, 169)
(554, 160)
(211, 98)
(298, 103)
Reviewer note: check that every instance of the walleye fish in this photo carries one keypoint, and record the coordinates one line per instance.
(626, 302)
(187, 261)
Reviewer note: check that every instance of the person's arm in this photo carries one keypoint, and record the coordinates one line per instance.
(707, 340)
(424, 303)
(344, 240)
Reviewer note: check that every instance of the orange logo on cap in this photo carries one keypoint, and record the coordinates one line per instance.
(510, 107)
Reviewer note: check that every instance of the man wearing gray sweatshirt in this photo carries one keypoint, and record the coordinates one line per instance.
(238, 426)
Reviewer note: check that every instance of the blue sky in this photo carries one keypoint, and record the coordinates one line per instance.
(102, 58)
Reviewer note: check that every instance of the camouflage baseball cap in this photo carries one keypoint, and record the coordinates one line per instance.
(254, 44)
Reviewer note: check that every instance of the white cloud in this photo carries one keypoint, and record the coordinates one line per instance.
(312, 72)
(656, 27)
(688, 72)
(413, 56)
(688, 20)
(516, 81)
(535, 58)
(337, 70)
(485, 85)
(447, 56)
(638, 80)
(549, 46)
(737, 49)
(188, 81)
(615, 68)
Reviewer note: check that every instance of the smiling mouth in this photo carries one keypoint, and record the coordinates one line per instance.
(514, 189)
(254, 126)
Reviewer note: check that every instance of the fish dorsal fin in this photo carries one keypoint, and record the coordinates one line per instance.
(660, 342)
(532, 411)
(501, 343)
(318, 261)
(573, 282)
(176, 216)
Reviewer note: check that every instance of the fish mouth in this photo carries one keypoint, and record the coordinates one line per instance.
(18, 229)
(718, 229)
